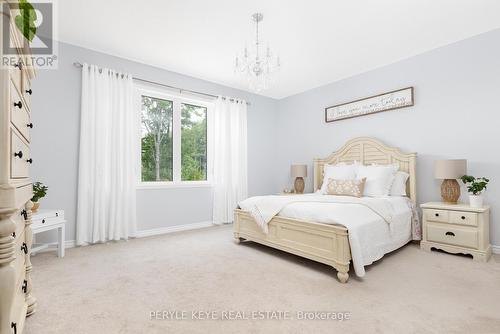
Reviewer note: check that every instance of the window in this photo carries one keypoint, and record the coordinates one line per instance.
(194, 142)
(156, 139)
(174, 139)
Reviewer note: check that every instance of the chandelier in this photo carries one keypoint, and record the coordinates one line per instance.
(255, 65)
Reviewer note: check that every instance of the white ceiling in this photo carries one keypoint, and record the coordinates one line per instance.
(318, 41)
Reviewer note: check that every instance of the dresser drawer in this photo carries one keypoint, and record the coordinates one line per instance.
(19, 114)
(19, 156)
(16, 74)
(20, 256)
(27, 91)
(19, 308)
(453, 235)
(463, 218)
(436, 215)
(18, 218)
(21, 283)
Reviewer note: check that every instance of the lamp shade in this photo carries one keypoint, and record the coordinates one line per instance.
(450, 169)
(298, 170)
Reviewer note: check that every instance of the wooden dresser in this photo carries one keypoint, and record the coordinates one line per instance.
(457, 228)
(16, 299)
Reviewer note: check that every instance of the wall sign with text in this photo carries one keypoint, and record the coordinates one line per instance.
(396, 99)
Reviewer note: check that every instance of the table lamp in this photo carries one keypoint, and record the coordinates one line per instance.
(299, 172)
(449, 171)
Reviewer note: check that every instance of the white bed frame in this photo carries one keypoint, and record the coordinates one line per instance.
(328, 244)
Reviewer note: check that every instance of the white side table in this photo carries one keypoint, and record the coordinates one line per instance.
(457, 228)
(45, 220)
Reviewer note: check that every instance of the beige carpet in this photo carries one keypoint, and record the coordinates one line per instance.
(113, 288)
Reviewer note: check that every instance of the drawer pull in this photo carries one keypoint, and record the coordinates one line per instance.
(18, 104)
(30, 161)
(29, 91)
(24, 214)
(436, 214)
(18, 154)
(13, 234)
(463, 217)
(451, 234)
(30, 125)
(13, 325)
(43, 221)
(25, 286)
(24, 248)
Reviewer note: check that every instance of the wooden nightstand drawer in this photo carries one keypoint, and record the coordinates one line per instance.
(436, 215)
(463, 218)
(453, 235)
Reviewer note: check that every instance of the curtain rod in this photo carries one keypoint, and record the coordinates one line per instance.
(181, 90)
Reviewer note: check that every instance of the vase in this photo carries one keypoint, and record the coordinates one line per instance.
(35, 207)
(476, 201)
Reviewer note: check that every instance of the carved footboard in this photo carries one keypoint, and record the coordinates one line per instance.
(328, 244)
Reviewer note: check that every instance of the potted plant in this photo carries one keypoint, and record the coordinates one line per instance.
(475, 187)
(39, 191)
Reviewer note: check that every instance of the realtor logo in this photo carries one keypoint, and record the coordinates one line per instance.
(34, 34)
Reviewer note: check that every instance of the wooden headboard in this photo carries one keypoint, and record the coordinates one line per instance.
(366, 151)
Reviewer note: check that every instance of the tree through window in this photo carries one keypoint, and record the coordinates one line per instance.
(156, 142)
(174, 138)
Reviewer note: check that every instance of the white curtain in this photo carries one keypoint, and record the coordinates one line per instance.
(230, 158)
(108, 152)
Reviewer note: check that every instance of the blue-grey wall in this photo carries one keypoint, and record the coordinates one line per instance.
(456, 115)
(56, 116)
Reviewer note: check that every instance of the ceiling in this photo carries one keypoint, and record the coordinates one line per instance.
(318, 41)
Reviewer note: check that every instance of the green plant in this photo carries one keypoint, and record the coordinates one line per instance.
(39, 191)
(25, 21)
(474, 185)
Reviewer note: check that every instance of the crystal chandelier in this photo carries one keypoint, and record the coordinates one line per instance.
(256, 66)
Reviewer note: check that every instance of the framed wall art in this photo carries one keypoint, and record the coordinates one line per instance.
(396, 99)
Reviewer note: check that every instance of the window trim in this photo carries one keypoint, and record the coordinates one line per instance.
(177, 100)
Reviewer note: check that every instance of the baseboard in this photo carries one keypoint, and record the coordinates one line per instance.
(171, 229)
(140, 234)
(495, 249)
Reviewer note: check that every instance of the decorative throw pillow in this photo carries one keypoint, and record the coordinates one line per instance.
(346, 187)
(339, 171)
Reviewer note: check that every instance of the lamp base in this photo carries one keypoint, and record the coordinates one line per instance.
(299, 185)
(450, 191)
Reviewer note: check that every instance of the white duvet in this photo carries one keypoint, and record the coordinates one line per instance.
(376, 226)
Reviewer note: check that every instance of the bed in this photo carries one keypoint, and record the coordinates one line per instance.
(325, 242)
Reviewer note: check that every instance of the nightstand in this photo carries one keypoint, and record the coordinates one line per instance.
(45, 220)
(457, 228)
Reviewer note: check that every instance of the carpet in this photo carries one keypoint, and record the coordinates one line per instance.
(201, 282)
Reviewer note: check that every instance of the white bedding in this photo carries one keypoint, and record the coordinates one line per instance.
(371, 233)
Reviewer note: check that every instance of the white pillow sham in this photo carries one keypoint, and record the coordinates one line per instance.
(379, 179)
(340, 171)
(398, 187)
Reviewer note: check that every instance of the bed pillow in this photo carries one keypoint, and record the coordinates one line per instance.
(379, 179)
(346, 187)
(341, 171)
(398, 187)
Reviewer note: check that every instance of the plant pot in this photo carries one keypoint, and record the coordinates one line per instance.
(476, 201)
(35, 207)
